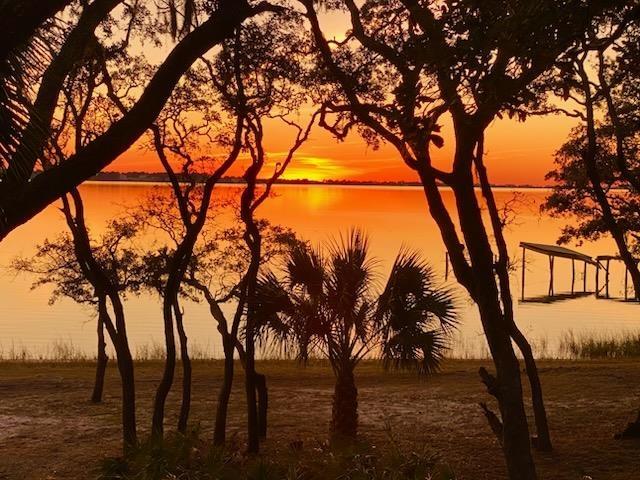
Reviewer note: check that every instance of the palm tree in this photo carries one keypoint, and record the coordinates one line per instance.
(326, 302)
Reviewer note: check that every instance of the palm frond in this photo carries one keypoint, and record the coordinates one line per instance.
(350, 273)
(20, 69)
(441, 304)
(406, 311)
(271, 300)
(420, 351)
(411, 297)
(305, 268)
(333, 309)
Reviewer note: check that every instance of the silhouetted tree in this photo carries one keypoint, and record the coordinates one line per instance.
(326, 304)
(175, 135)
(574, 194)
(401, 68)
(81, 115)
(601, 157)
(216, 274)
(598, 172)
(95, 272)
(257, 75)
(21, 197)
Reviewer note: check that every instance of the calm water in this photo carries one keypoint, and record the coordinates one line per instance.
(392, 216)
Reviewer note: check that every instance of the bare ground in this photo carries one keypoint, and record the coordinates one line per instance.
(49, 430)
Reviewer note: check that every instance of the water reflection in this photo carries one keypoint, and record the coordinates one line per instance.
(392, 217)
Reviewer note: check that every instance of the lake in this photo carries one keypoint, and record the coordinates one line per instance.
(392, 216)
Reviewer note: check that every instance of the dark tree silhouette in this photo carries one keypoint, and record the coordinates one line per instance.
(21, 197)
(216, 273)
(108, 266)
(574, 194)
(601, 157)
(326, 305)
(176, 134)
(256, 75)
(404, 65)
(95, 272)
(598, 173)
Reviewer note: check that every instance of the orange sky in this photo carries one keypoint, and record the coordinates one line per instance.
(517, 153)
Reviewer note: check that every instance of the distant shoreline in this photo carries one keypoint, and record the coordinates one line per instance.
(161, 178)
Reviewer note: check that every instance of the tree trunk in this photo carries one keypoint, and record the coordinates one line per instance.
(164, 387)
(543, 439)
(220, 430)
(125, 367)
(477, 275)
(102, 360)
(516, 443)
(263, 404)
(254, 242)
(185, 406)
(344, 415)
(253, 431)
(593, 173)
(127, 380)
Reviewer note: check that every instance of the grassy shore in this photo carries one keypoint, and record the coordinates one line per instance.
(49, 430)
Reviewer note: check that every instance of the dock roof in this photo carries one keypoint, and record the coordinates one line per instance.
(557, 251)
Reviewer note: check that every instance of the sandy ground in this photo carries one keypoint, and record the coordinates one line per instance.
(49, 430)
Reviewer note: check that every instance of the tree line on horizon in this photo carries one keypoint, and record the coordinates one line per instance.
(78, 90)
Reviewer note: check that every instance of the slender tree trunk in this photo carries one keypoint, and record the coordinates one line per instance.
(254, 242)
(591, 168)
(118, 332)
(124, 361)
(477, 275)
(127, 377)
(220, 430)
(185, 406)
(102, 359)
(516, 443)
(543, 439)
(164, 387)
(632, 430)
(125, 367)
(253, 431)
(263, 404)
(344, 411)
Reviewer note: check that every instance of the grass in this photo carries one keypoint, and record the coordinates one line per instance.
(66, 351)
(57, 351)
(590, 346)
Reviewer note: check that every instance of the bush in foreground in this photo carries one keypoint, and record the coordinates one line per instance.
(187, 457)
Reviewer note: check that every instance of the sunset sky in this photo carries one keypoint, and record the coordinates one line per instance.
(517, 153)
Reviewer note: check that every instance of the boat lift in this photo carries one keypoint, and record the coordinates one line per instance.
(553, 251)
(556, 251)
(604, 262)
